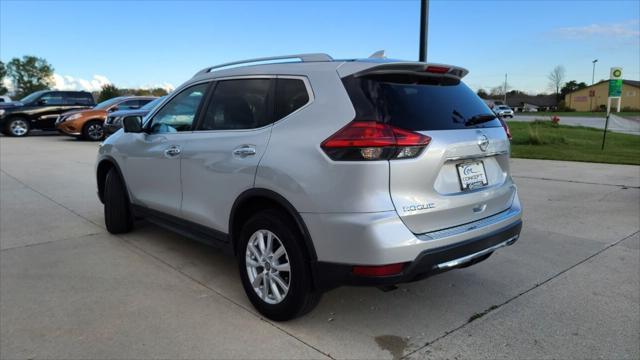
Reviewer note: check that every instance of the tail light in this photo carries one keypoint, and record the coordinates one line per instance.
(505, 126)
(436, 69)
(371, 140)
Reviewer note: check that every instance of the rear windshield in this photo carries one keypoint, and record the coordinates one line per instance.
(418, 103)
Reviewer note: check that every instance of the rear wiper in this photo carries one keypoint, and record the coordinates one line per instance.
(479, 119)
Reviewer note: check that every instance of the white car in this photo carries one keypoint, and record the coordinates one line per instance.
(503, 111)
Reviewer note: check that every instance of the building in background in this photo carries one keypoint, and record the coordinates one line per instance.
(595, 96)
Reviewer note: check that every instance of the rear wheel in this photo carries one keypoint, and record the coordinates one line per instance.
(93, 130)
(117, 213)
(17, 127)
(275, 274)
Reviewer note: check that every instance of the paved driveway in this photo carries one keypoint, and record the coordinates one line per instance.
(616, 123)
(568, 289)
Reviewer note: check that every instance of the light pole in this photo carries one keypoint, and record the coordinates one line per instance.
(593, 78)
(424, 29)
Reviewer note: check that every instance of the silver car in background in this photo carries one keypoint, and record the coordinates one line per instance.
(503, 111)
(318, 173)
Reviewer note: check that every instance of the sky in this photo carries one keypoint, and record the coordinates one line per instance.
(163, 43)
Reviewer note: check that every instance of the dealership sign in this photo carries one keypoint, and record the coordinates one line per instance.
(615, 82)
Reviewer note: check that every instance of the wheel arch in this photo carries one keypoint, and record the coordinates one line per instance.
(102, 170)
(253, 200)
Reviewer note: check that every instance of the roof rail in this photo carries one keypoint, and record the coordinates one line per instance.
(303, 57)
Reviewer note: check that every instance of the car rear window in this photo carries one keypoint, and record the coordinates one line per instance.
(418, 103)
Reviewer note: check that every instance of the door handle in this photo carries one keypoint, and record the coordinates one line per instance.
(244, 151)
(172, 151)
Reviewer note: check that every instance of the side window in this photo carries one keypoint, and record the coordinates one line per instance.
(77, 98)
(291, 94)
(129, 105)
(178, 114)
(143, 102)
(238, 104)
(52, 98)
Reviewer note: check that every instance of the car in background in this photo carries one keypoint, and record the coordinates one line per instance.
(114, 120)
(88, 124)
(40, 110)
(503, 111)
(5, 99)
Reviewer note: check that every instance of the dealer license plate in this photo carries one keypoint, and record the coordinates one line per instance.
(472, 175)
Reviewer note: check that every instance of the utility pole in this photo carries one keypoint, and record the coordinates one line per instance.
(593, 78)
(424, 29)
(505, 88)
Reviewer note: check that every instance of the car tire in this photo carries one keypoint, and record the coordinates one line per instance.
(300, 297)
(93, 130)
(117, 212)
(17, 127)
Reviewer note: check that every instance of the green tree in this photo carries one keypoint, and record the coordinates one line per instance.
(29, 74)
(482, 93)
(571, 86)
(108, 91)
(3, 74)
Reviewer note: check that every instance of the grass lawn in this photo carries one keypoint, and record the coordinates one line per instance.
(543, 140)
(601, 114)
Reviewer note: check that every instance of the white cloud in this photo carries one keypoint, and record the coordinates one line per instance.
(66, 82)
(618, 30)
(168, 87)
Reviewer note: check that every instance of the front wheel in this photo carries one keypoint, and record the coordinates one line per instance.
(275, 274)
(93, 130)
(17, 127)
(117, 213)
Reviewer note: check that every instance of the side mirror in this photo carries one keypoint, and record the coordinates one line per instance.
(132, 124)
(115, 108)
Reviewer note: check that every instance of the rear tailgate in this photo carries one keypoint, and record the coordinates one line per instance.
(463, 174)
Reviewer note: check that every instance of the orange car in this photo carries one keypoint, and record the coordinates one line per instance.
(88, 123)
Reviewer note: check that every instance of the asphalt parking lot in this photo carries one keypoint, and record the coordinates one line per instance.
(569, 288)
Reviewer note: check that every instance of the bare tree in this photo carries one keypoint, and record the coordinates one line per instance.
(556, 80)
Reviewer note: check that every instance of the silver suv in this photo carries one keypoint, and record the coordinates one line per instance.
(318, 173)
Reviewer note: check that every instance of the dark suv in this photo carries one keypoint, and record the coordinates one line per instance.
(40, 110)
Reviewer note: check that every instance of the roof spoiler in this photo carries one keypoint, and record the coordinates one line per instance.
(314, 57)
(413, 68)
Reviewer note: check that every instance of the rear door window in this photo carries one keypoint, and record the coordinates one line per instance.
(238, 104)
(418, 103)
(291, 94)
(52, 98)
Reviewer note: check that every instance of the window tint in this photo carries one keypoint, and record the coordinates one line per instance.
(178, 114)
(52, 98)
(418, 102)
(129, 105)
(291, 94)
(78, 98)
(238, 104)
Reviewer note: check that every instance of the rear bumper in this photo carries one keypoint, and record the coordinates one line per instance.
(427, 263)
(343, 241)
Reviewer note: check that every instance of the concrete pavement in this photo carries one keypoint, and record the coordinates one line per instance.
(616, 123)
(569, 288)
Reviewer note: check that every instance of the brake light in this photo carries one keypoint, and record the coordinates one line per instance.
(372, 140)
(437, 69)
(505, 126)
(383, 270)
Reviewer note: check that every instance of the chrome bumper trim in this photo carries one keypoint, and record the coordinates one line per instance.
(468, 258)
(478, 156)
(493, 219)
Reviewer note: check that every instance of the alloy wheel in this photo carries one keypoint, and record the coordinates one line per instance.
(19, 127)
(268, 266)
(95, 131)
